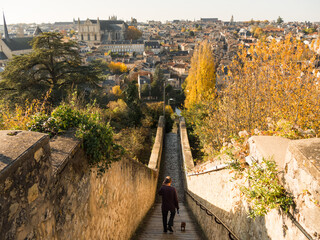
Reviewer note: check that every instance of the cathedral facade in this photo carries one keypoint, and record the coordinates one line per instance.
(101, 31)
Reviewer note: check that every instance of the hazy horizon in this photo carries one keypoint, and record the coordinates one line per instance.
(36, 11)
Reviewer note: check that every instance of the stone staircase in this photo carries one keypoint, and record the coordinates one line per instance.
(171, 165)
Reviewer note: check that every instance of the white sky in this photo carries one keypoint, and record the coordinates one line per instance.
(42, 11)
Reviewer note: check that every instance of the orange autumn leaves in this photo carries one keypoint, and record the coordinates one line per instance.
(274, 81)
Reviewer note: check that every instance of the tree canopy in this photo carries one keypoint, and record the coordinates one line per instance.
(279, 20)
(201, 80)
(157, 83)
(117, 67)
(133, 33)
(271, 89)
(52, 64)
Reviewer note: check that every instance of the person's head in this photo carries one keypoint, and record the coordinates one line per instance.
(167, 180)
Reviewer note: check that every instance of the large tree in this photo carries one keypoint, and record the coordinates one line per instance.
(201, 80)
(271, 88)
(279, 20)
(53, 64)
(157, 83)
(133, 33)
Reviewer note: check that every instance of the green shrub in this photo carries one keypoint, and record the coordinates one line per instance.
(67, 117)
(96, 136)
(41, 122)
(265, 191)
(97, 141)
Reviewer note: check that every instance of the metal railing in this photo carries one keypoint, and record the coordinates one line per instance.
(214, 169)
(231, 234)
(299, 226)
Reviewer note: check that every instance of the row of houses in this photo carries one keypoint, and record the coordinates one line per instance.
(138, 46)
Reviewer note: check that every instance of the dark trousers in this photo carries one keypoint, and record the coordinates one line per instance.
(165, 218)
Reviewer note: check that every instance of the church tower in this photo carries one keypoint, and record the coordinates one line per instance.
(6, 33)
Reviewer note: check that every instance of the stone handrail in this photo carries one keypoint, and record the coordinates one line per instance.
(155, 158)
(185, 146)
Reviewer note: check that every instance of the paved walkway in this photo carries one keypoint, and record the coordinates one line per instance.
(152, 225)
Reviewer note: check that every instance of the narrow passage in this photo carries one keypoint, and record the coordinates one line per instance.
(152, 224)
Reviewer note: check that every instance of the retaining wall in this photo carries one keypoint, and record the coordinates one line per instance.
(220, 194)
(48, 191)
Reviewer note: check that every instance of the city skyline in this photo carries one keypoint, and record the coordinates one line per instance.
(34, 11)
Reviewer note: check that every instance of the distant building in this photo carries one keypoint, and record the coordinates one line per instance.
(244, 33)
(174, 82)
(14, 46)
(153, 46)
(209, 20)
(101, 31)
(180, 69)
(144, 80)
(37, 31)
(123, 47)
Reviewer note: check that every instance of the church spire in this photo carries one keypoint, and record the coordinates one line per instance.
(6, 34)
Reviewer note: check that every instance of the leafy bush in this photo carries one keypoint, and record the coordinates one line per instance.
(265, 191)
(19, 117)
(67, 117)
(96, 136)
(155, 110)
(41, 122)
(135, 127)
(137, 142)
(97, 141)
(16, 119)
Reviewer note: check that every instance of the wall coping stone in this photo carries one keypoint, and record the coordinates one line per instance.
(307, 154)
(155, 158)
(23, 143)
(271, 146)
(305, 151)
(185, 147)
(63, 149)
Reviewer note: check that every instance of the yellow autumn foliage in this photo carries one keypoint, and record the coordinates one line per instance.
(276, 80)
(201, 80)
(266, 84)
(19, 117)
(117, 67)
(116, 90)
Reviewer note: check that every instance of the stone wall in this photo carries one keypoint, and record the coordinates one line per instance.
(24, 180)
(48, 191)
(302, 179)
(219, 193)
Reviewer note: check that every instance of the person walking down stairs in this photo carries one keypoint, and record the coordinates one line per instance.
(169, 203)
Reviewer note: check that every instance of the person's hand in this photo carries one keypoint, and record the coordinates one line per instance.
(178, 211)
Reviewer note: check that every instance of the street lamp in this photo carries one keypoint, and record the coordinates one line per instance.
(164, 98)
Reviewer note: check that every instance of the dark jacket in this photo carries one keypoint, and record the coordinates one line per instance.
(169, 198)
